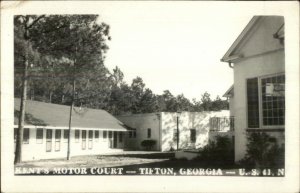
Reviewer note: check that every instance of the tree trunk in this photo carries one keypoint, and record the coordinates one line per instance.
(19, 142)
(70, 120)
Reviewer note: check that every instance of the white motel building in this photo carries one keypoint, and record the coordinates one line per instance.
(46, 131)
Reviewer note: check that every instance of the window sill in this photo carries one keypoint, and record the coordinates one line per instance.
(278, 129)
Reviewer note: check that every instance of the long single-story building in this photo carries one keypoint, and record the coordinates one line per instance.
(46, 131)
(258, 61)
(192, 129)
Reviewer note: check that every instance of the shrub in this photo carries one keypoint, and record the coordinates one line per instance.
(148, 144)
(220, 151)
(263, 151)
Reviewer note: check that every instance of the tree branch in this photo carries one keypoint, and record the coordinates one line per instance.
(36, 20)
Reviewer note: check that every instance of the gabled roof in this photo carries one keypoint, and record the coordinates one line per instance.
(231, 54)
(229, 92)
(227, 57)
(48, 114)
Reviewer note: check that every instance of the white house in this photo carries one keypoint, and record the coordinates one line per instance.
(192, 129)
(46, 131)
(258, 61)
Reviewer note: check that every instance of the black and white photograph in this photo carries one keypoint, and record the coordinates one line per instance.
(151, 89)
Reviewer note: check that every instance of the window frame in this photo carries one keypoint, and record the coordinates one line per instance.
(260, 102)
(261, 123)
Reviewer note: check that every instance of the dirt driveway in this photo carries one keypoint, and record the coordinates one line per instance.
(125, 158)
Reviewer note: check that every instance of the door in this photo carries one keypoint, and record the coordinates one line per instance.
(83, 144)
(48, 140)
(115, 139)
(90, 143)
(57, 139)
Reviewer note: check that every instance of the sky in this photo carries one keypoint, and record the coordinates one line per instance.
(171, 45)
(174, 47)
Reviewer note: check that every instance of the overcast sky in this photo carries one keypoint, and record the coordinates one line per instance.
(173, 46)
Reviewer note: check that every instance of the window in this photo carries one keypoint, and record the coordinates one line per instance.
(104, 135)
(193, 135)
(90, 144)
(266, 101)
(149, 132)
(96, 135)
(273, 100)
(66, 135)
(110, 134)
(26, 136)
(39, 135)
(134, 134)
(175, 135)
(252, 103)
(77, 135)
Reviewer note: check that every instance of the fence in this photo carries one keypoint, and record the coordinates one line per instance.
(221, 124)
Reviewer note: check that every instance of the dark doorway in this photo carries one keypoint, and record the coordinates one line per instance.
(115, 139)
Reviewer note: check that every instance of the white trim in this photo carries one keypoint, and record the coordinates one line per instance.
(72, 128)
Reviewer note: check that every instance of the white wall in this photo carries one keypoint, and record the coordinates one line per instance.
(141, 122)
(187, 121)
(260, 65)
(36, 151)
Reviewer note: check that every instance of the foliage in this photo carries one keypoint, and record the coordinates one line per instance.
(148, 144)
(220, 151)
(63, 47)
(30, 119)
(263, 151)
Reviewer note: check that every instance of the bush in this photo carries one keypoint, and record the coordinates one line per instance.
(148, 144)
(220, 151)
(263, 151)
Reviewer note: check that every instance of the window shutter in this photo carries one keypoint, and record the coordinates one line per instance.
(253, 103)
